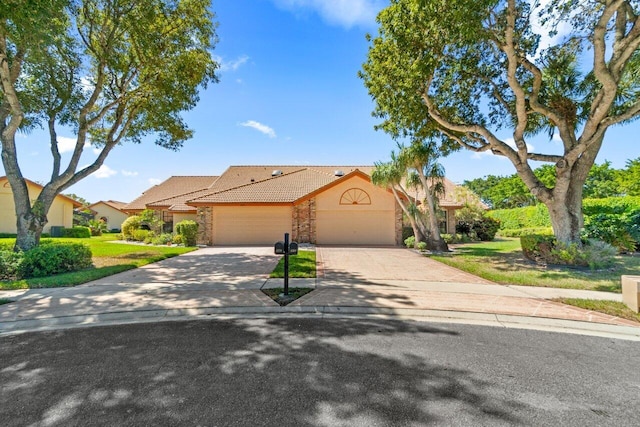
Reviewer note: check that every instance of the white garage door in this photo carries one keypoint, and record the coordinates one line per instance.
(249, 225)
(355, 227)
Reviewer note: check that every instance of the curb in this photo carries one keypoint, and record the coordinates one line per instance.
(330, 312)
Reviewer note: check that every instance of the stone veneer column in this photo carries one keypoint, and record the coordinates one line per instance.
(399, 221)
(303, 222)
(204, 218)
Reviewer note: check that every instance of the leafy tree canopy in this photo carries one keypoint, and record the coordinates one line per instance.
(114, 71)
(472, 68)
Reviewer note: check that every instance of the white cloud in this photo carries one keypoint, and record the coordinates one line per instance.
(128, 173)
(104, 172)
(154, 181)
(260, 128)
(346, 13)
(563, 28)
(66, 144)
(231, 65)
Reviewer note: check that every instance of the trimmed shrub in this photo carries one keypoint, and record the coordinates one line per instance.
(177, 239)
(525, 217)
(410, 242)
(10, 264)
(129, 226)
(162, 239)
(544, 249)
(422, 246)
(486, 228)
(76, 232)
(615, 220)
(141, 235)
(406, 232)
(524, 231)
(49, 259)
(189, 231)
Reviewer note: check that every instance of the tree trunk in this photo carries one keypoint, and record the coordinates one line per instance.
(435, 242)
(565, 208)
(30, 228)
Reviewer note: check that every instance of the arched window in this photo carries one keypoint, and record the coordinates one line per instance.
(355, 196)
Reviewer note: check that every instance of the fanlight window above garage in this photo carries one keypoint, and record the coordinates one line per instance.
(355, 196)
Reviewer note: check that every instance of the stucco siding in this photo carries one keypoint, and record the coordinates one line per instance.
(356, 212)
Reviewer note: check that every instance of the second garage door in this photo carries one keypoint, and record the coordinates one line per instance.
(250, 225)
(355, 227)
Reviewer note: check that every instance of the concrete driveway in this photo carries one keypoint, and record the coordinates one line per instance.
(381, 265)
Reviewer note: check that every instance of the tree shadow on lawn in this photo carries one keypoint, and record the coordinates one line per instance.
(302, 372)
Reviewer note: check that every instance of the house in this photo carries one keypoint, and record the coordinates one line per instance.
(110, 212)
(60, 214)
(168, 197)
(258, 204)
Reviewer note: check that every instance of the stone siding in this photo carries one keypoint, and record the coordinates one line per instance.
(399, 219)
(303, 226)
(204, 218)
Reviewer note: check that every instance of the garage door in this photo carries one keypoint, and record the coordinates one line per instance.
(350, 227)
(248, 225)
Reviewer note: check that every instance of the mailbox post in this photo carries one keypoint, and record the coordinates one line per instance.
(285, 248)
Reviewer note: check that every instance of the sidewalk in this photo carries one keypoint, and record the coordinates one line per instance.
(162, 291)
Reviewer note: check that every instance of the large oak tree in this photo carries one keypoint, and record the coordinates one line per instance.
(474, 68)
(114, 71)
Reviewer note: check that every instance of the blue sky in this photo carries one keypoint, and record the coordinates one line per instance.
(289, 94)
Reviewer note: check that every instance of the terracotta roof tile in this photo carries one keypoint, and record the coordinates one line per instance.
(172, 187)
(111, 203)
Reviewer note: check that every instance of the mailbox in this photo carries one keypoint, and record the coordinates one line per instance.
(279, 248)
(293, 248)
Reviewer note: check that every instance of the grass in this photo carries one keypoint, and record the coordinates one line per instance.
(294, 294)
(501, 261)
(108, 258)
(612, 308)
(302, 266)
(5, 301)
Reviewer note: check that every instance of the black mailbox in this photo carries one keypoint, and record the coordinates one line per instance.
(293, 248)
(279, 248)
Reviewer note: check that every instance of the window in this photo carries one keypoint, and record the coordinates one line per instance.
(355, 196)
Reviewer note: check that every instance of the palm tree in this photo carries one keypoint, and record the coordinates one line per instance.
(421, 156)
(390, 175)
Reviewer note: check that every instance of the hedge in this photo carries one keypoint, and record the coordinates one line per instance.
(49, 259)
(77, 232)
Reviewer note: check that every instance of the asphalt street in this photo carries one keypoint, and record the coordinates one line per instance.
(316, 372)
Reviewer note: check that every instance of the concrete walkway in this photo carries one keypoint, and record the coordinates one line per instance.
(352, 281)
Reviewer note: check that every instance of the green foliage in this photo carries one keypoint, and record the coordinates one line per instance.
(189, 231)
(177, 239)
(76, 232)
(615, 220)
(10, 262)
(142, 236)
(410, 242)
(486, 228)
(130, 225)
(518, 232)
(162, 239)
(547, 250)
(97, 227)
(526, 217)
(421, 246)
(46, 260)
(150, 218)
(628, 180)
(115, 71)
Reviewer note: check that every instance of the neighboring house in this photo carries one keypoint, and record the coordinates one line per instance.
(258, 204)
(60, 214)
(448, 204)
(176, 187)
(110, 212)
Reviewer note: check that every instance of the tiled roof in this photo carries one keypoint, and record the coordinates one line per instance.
(261, 184)
(172, 187)
(111, 203)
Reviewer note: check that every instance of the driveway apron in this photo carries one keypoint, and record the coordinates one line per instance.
(208, 277)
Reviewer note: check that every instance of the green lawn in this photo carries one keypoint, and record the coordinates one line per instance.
(302, 265)
(5, 301)
(108, 258)
(501, 261)
(611, 308)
